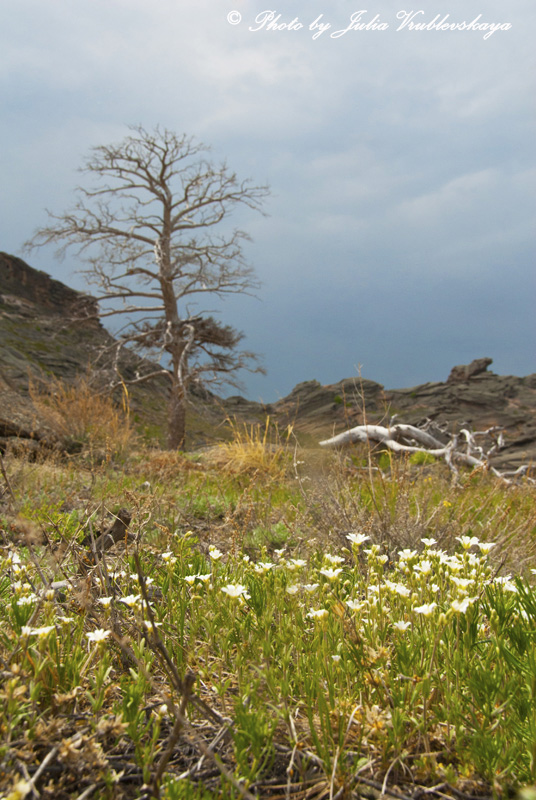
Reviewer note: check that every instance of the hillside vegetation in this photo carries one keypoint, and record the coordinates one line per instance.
(277, 622)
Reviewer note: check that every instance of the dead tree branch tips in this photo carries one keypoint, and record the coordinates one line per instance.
(146, 231)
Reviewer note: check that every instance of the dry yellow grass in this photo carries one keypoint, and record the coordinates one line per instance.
(253, 448)
(84, 418)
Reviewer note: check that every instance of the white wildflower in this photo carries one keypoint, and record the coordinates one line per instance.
(398, 588)
(461, 583)
(136, 578)
(503, 579)
(149, 625)
(331, 574)
(429, 542)
(507, 583)
(319, 613)
(426, 610)
(98, 635)
(296, 563)
(357, 538)
(262, 567)
(374, 550)
(407, 555)
(28, 600)
(333, 560)
(424, 567)
(452, 562)
(467, 541)
(131, 600)
(236, 590)
(509, 586)
(39, 632)
(461, 606)
(401, 626)
(20, 790)
(356, 605)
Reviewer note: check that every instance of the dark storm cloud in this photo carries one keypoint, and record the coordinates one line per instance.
(400, 234)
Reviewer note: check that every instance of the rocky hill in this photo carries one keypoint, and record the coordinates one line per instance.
(480, 402)
(46, 329)
(42, 333)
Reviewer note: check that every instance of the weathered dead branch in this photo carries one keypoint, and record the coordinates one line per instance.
(459, 449)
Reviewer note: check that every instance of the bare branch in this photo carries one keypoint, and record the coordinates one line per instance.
(409, 439)
(144, 230)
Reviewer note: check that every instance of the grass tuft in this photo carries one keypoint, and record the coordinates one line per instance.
(253, 448)
(83, 417)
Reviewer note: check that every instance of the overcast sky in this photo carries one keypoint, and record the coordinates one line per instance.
(400, 239)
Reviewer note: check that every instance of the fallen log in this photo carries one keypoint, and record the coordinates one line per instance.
(402, 438)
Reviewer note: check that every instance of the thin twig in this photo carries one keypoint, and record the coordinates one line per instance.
(88, 792)
(6, 479)
(180, 720)
(382, 790)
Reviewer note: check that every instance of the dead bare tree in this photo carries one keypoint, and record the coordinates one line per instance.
(145, 231)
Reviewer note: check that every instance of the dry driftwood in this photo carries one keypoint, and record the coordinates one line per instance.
(461, 448)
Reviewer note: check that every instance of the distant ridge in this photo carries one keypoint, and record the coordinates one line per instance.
(37, 335)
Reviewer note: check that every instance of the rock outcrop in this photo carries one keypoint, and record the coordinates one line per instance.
(465, 372)
(47, 328)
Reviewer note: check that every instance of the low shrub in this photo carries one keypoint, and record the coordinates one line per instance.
(83, 417)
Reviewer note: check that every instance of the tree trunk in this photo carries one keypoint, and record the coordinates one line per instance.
(176, 419)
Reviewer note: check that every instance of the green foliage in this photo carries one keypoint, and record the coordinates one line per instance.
(326, 630)
(274, 536)
(419, 459)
